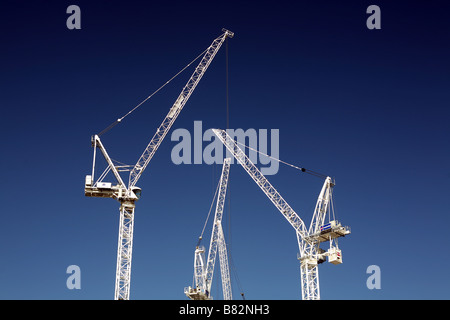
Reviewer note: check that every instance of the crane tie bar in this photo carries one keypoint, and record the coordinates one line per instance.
(112, 125)
(313, 173)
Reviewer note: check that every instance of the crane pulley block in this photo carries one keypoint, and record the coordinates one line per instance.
(228, 33)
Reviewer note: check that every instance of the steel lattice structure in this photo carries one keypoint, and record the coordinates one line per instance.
(203, 274)
(127, 196)
(308, 240)
(177, 107)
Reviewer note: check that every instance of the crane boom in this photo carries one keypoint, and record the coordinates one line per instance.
(175, 110)
(203, 276)
(224, 269)
(308, 241)
(274, 196)
(217, 232)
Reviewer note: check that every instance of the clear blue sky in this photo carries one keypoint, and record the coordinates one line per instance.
(368, 107)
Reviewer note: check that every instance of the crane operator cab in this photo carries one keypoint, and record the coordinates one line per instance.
(137, 192)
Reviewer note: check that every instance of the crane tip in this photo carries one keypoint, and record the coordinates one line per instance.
(228, 32)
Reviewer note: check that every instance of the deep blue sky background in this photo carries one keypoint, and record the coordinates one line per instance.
(368, 107)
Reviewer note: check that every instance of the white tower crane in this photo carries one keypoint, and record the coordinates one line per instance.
(128, 195)
(203, 276)
(308, 239)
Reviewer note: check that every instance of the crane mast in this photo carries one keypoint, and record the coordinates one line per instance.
(128, 196)
(308, 240)
(203, 276)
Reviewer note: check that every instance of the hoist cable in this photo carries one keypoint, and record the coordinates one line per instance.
(226, 84)
(227, 127)
(235, 274)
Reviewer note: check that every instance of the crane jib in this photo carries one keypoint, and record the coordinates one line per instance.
(174, 111)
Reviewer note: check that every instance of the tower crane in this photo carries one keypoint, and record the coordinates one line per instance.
(127, 196)
(309, 239)
(203, 275)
